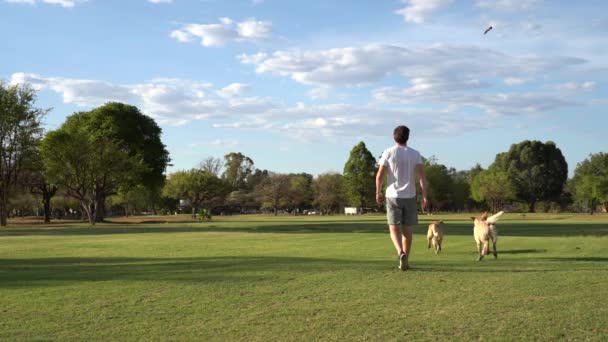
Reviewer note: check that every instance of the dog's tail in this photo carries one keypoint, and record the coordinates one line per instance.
(495, 217)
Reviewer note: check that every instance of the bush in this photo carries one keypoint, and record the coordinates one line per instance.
(203, 215)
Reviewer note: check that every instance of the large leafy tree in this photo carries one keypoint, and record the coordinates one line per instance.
(237, 169)
(493, 187)
(88, 164)
(359, 177)
(274, 191)
(38, 184)
(329, 192)
(141, 157)
(140, 136)
(538, 171)
(197, 186)
(20, 131)
(300, 191)
(440, 184)
(590, 181)
(461, 190)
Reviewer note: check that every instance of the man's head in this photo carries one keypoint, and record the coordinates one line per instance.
(401, 135)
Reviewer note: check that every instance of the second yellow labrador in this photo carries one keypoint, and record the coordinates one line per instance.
(484, 231)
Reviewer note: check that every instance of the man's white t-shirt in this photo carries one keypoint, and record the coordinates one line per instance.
(400, 165)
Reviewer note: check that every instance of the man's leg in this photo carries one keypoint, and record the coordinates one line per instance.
(396, 237)
(407, 239)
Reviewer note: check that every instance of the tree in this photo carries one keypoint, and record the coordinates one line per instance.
(590, 181)
(493, 187)
(140, 136)
(329, 193)
(273, 191)
(197, 186)
(538, 171)
(122, 143)
(439, 185)
(20, 131)
(237, 168)
(300, 191)
(211, 164)
(89, 165)
(359, 177)
(460, 190)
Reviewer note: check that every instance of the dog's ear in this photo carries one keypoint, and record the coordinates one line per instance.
(484, 216)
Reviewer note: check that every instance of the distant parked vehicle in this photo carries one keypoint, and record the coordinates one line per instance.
(352, 211)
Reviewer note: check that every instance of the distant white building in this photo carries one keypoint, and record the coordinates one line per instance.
(184, 203)
(352, 211)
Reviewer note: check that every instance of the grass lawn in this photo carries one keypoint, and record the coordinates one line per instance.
(266, 278)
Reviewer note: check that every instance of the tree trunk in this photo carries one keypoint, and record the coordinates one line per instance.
(47, 194)
(3, 209)
(275, 211)
(532, 206)
(100, 206)
(89, 211)
(47, 209)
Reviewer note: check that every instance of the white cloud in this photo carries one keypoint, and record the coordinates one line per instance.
(232, 90)
(356, 66)
(171, 101)
(225, 143)
(432, 105)
(418, 11)
(513, 81)
(62, 3)
(160, 1)
(318, 93)
(226, 31)
(574, 86)
(508, 5)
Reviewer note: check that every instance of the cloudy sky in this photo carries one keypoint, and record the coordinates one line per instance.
(296, 84)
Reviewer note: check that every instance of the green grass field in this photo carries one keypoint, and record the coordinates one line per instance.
(263, 278)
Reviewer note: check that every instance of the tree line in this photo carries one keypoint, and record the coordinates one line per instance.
(111, 160)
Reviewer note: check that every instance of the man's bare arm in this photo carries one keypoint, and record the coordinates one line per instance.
(379, 181)
(423, 186)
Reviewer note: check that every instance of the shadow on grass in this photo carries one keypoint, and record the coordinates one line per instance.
(307, 227)
(534, 229)
(578, 259)
(23, 273)
(522, 251)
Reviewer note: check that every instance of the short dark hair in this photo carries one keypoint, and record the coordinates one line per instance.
(401, 134)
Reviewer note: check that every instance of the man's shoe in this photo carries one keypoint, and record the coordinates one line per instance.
(403, 265)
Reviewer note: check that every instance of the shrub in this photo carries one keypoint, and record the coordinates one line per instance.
(203, 215)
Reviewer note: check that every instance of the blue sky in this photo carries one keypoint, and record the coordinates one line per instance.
(296, 84)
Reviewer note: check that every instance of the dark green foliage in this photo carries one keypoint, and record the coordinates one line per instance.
(359, 177)
(20, 132)
(493, 187)
(199, 187)
(590, 182)
(203, 215)
(538, 171)
(329, 193)
(237, 170)
(138, 134)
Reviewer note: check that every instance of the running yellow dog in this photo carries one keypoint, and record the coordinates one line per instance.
(434, 236)
(484, 230)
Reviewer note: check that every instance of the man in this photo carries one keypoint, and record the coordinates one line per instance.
(403, 165)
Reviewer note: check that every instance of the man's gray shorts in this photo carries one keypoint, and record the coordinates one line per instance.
(402, 211)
